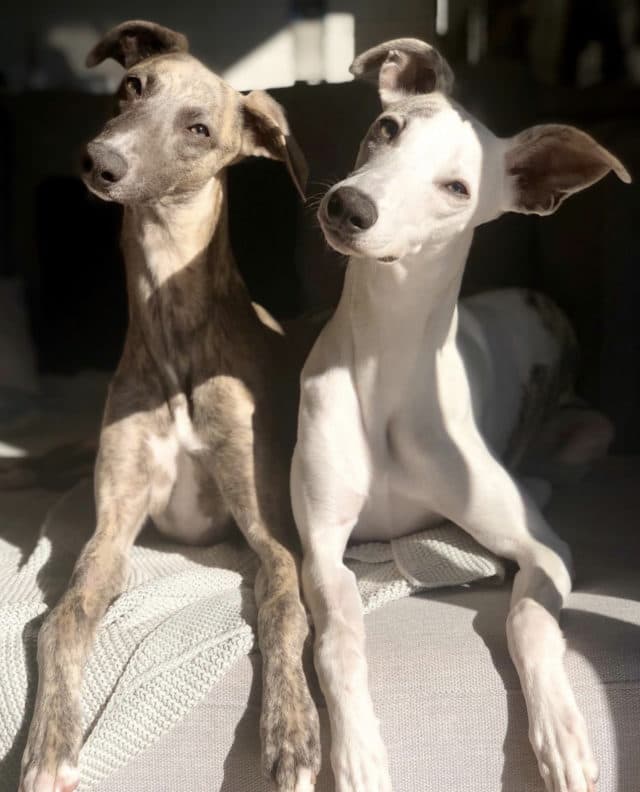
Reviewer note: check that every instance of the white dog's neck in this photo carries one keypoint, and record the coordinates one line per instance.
(391, 305)
(397, 313)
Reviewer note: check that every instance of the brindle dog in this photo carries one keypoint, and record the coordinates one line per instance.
(199, 422)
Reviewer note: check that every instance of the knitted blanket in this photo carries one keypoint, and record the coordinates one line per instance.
(187, 614)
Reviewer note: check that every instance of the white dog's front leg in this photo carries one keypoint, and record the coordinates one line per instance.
(325, 515)
(504, 519)
(358, 755)
(557, 729)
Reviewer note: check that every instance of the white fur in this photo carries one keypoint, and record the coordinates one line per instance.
(396, 396)
(175, 494)
(304, 781)
(66, 779)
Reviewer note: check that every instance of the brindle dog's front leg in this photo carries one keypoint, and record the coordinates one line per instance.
(257, 494)
(50, 760)
(289, 727)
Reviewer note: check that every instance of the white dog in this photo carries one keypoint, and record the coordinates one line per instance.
(408, 399)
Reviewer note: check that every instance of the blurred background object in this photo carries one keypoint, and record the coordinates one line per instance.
(18, 380)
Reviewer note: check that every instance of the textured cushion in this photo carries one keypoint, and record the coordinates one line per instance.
(452, 714)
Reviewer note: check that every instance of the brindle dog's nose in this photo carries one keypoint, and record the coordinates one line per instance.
(351, 210)
(104, 164)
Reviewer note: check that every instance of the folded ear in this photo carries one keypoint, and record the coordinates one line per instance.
(403, 67)
(133, 41)
(545, 164)
(266, 133)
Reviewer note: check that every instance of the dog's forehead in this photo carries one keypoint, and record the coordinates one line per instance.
(421, 105)
(180, 74)
(456, 130)
(431, 111)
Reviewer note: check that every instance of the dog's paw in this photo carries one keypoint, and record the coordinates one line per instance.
(49, 761)
(37, 778)
(359, 758)
(291, 738)
(560, 741)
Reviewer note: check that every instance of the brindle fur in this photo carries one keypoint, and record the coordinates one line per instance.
(201, 368)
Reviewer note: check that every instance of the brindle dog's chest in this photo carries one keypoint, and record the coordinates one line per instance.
(184, 356)
(185, 501)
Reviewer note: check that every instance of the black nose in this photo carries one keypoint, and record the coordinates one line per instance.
(351, 210)
(104, 164)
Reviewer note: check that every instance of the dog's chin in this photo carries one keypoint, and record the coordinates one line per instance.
(100, 192)
(123, 192)
(340, 244)
(348, 246)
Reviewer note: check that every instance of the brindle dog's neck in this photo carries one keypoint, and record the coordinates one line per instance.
(177, 242)
(180, 274)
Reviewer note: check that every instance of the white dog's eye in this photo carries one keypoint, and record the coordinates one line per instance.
(199, 129)
(457, 188)
(389, 127)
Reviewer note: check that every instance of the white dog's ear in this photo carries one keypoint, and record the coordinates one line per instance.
(402, 67)
(266, 133)
(134, 41)
(547, 163)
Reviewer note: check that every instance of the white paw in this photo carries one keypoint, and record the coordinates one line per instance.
(559, 738)
(305, 781)
(64, 778)
(359, 758)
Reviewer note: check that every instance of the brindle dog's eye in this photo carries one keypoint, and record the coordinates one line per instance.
(134, 85)
(457, 188)
(199, 129)
(389, 128)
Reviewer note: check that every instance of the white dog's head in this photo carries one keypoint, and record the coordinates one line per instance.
(427, 171)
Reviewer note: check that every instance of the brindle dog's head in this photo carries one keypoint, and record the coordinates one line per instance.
(178, 123)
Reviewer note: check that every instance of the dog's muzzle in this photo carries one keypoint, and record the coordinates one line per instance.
(103, 166)
(349, 211)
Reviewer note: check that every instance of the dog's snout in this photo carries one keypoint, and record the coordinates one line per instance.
(351, 209)
(104, 164)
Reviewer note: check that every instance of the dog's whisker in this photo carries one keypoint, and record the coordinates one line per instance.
(326, 183)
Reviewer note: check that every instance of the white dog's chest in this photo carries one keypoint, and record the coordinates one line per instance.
(398, 500)
(476, 384)
(388, 514)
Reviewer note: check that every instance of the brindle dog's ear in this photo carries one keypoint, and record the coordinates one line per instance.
(547, 163)
(402, 67)
(266, 133)
(133, 41)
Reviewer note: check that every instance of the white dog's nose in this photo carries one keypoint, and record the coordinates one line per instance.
(350, 210)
